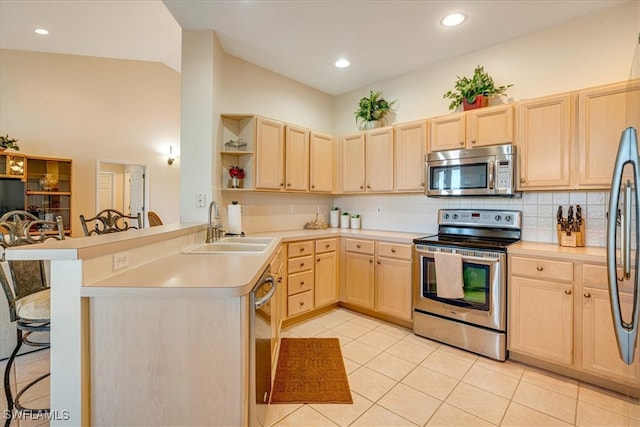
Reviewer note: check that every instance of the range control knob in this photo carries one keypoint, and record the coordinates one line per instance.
(445, 216)
(455, 216)
(508, 218)
(498, 217)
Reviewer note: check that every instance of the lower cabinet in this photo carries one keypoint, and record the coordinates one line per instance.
(359, 273)
(560, 319)
(300, 278)
(326, 272)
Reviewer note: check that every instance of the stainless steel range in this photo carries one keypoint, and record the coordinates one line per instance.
(469, 309)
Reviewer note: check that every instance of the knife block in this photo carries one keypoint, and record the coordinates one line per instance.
(573, 240)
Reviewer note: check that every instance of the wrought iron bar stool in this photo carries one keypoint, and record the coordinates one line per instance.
(110, 221)
(27, 292)
(154, 219)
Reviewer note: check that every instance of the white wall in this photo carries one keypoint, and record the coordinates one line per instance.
(86, 108)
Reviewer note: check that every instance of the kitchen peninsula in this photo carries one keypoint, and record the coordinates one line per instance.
(164, 340)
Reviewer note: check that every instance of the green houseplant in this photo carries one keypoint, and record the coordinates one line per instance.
(8, 142)
(468, 89)
(373, 108)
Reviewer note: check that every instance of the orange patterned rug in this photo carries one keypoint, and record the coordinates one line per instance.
(310, 370)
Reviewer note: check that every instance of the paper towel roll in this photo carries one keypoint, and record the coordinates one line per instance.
(235, 219)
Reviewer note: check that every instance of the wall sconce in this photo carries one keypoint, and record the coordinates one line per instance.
(171, 159)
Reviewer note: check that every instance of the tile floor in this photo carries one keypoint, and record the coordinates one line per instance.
(399, 379)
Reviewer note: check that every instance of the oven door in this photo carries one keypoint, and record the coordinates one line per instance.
(484, 303)
(457, 177)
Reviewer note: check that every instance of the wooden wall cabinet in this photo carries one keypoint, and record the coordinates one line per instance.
(269, 154)
(545, 130)
(296, 158)
(12, 165)
(410, 141)
(322, 169)
(368, 161)
(474, 128)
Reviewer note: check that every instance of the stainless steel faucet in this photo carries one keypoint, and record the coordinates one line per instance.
(214, 232)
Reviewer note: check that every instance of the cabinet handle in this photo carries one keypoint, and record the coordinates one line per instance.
(302, 283)
(379, 262)
(301, 303)
(302, 264)
(279, 279)
(368, 186)
(461, 142)
(361, 187)
(317, 259)
(473, 141)
(313, 186)
(393, 250)
(620, 278)
(539, 268)
(521, 180)
(327, 246)
(358, 246)
(282, 184)
(301, 249)
(587, 295)
(422, 184)
(370, 260)
(567, 291)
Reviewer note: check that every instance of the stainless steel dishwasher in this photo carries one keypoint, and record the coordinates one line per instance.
(261, 336)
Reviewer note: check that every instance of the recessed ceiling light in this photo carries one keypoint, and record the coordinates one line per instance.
(453, 19)
(342, 63)
(42, 31)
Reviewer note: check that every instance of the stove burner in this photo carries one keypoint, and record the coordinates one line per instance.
(464, 241)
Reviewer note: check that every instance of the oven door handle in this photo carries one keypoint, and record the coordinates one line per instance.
(467, 258)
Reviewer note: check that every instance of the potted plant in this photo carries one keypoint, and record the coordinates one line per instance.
(372, 110)
(237, 174)
(474, 92)
(8, 142)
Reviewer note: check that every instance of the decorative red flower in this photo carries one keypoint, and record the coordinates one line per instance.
(236, 172)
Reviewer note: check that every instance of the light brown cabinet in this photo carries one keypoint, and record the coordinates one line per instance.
(269, 162)
(475, 128)
(410, 141)
(393, 280)
(326, 272)
(237, 148)
(367, 162)
(603, 113)
(322, 170)
(545, 142)
(300, 278)
(296, 158)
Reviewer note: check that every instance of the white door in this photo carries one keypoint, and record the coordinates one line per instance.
(107, 194)
(136, 191)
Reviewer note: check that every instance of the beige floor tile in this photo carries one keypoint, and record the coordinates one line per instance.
(366, 321)
(328, 320)
(444, 363)
(520, 416)
(460, 354)
(333, 334)
(410, 351)
(421, 341)
(491, 381)
(342, 313)
(431, 382)
(278, 411)
(591, 415)
(350, 365)
(377, 340)
(609, 400)
(370, 383)
(512, 369)
(378, 416)
(352, 330)
(476, 401)
(394, 330)
(547, 401)
(409, 403)
(359, 352)
(305, 416)
(391, 366)
(307, 329)
(344, 415)
(450, 416)
(551, 381)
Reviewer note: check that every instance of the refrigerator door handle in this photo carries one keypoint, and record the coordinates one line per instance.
(626, 332)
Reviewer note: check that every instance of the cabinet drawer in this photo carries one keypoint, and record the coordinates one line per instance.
(300, 249)
(394, 250)
(299, 303)
(300, 264)
(556, 271)
(360, 246)
(326, 245)
(300, 282)
(596, 276)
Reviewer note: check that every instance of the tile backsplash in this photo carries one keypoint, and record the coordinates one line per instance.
(418, 213)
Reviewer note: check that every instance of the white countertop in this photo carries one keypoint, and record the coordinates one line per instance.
(586, 253)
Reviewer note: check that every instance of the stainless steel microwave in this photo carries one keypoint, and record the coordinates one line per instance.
(483, 171)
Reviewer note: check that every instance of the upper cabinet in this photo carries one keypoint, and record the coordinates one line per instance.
(475, 128)
(322, 169)
(544, 142)
(603, 113)
(11, 165)
(367, 161)
(410, 140)
(269, 154)
(236, 147)
(296, 158)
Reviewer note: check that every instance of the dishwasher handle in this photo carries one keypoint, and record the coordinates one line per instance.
(274, 285)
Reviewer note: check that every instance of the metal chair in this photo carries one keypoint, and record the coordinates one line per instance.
(154, 219)
(110, 221)
(27, 293)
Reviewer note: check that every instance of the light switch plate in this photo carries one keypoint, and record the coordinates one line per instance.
(201, 200)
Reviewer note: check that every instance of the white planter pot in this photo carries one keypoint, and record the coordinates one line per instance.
(344, 221)
(334, 219)
(355, 223)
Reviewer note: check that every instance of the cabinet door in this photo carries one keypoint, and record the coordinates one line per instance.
(410, 142)
(448, 132)
(544, 143)
(603, 114)
(322, 165)
(379, 155)
(599, 348)
(269, 154)
(490, 126)
(359, 275)
(541, 319)
(297, 158)
(326, 283)
(393, 296)
(353, 163)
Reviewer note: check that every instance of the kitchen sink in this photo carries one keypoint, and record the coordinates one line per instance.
(233, 245)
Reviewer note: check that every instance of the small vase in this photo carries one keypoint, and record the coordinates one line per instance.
(235, 182)
(480, 102)
(372, 124)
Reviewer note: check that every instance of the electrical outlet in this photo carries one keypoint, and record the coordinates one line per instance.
(379, 209)
(293, 209)
(120, 260)
(201, 200)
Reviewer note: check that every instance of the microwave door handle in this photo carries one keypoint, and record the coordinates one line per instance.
(491, 175)
(626, 332)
